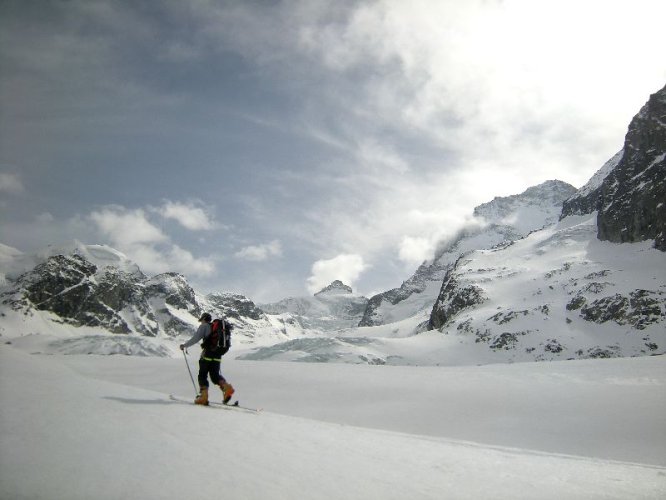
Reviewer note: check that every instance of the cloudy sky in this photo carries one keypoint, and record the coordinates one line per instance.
(269, 147)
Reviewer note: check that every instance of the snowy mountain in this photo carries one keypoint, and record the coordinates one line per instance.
(588, 198)
(557, 294)
(96, 290)
(500, 220)
(92, 286)
(503, 295)
(538, 276)
(334, 307)
(633, 195)
(561, 292)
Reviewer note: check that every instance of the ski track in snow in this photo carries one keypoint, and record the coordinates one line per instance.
(75, 427)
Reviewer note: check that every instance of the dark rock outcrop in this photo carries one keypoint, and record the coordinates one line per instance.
(232, 305)
(111, 294)
(588, 198)
(454, 298)
(81, 294)
(335, 287)
(633, 195)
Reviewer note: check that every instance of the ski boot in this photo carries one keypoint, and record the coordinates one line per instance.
(228, 391)
(202, 399)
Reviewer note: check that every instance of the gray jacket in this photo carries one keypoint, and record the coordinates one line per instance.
(202, 332)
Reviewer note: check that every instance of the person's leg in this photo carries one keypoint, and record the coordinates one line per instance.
(202, 398)
(218, 379)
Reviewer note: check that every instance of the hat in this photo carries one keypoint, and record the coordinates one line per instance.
(205, 317)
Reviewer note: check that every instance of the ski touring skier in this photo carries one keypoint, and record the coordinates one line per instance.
(209, 362)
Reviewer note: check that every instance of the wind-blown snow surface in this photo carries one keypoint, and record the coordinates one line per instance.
(79, 427)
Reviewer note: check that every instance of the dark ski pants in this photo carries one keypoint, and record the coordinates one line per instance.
(210, 367)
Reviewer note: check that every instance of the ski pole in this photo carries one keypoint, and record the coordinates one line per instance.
(190, 372)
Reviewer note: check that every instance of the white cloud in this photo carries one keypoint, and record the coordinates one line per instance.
(131, 231)
(412, 113)
(431, 108)
(414, 250)
(260, 252)
(188, 215)
(10, 183)
(126, 227)
(496, 82)
(344, 267)
(154, 259)
(179, 258)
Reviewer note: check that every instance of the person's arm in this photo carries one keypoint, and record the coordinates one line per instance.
(200, 334)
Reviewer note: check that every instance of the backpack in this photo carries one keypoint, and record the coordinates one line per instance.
(219, 339)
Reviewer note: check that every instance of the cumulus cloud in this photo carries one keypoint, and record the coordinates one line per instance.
(187, 215)
(10, 183)
(179, 258)
(154, 259)
(414, 250)
(132, 232)
(125, 227)
(344, 267)
(260, 252)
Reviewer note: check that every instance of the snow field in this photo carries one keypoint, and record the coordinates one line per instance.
(76, 427)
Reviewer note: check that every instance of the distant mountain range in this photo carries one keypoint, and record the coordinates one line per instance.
(539, 275)
(332, 308)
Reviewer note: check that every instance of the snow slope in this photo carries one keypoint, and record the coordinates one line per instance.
(500, 220)
(557, 294)
(560, 293)
(79, 427)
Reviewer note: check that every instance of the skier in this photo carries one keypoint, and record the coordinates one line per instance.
(209, 363)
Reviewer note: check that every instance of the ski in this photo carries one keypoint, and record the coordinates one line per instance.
(216, 404)
(235, 404)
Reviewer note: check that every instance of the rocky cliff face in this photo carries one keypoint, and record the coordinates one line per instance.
(96, 286)
(336, 287)
(82, 294)
(454, 297)
(633, 195)
(171, 297)
(588, 198)
(233, 305)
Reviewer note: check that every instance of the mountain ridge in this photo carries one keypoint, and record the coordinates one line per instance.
(538, 276)
(500, 220)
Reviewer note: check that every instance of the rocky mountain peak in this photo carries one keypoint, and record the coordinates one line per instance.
(336, 287)
(233, 305)
(588, 198)
(505, 218)
(532, 209)
(632, 206)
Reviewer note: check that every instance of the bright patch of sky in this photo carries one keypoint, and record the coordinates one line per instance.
(269, 148)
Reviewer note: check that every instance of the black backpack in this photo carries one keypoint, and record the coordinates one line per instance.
(219, 339)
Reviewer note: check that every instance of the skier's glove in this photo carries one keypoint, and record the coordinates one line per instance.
(182, 347)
